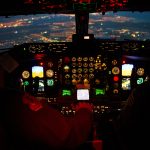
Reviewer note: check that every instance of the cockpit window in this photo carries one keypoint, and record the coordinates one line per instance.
(123, 25)
(45, 28)
(15, 30)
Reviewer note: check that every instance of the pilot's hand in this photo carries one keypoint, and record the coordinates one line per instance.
(84, 105)
(32, 102)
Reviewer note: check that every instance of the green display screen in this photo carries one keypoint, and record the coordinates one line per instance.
(66, 92)
(50, 82)
(99, 92)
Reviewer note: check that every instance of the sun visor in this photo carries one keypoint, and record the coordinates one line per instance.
(8, 62)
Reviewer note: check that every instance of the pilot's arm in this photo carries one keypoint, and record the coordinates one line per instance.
(43, 124)
(132, 125)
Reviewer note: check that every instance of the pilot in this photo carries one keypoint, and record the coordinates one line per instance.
(132, 126)
(30, 123)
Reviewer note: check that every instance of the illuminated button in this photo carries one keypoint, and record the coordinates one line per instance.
(74, 81)
(116, 78)
(26, 83)
(66, 68)
(104, 66)
(123, 61)
(41, 63)
(86, 81)
(115, 91)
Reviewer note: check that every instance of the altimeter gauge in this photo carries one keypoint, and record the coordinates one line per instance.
(49, 73)
(25, 74)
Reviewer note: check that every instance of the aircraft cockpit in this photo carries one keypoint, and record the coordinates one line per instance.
(80, 50)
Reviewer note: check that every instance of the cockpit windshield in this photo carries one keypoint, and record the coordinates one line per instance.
(123, 25)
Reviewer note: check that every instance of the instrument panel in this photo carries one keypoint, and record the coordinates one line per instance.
(99, 71)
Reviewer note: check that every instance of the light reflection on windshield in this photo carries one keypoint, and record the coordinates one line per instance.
(46, 28)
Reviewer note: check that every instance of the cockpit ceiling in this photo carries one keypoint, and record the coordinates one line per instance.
(23, 7)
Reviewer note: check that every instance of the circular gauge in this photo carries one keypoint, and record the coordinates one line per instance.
(79, 59)
(67, 76)
(85, 59)
(73, 59)
(140, 71)
(50, 64)
(91, 70)
(85, 70)
(74, 76)
(25, 74)
(115, 70)
(91, 75)
(79, 64)
(91, 64)
(85, 65)
(79, 70)
(74, 70)
(91, 59)
(114, 62)
(49, 73)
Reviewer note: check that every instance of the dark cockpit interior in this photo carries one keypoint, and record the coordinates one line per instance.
(87, 64)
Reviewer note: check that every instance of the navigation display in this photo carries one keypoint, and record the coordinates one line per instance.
(127, 69)
(83, 94)
(37, 71)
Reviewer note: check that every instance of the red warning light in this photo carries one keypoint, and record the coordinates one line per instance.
(123, 61)
(116, 78)
(41, 63)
